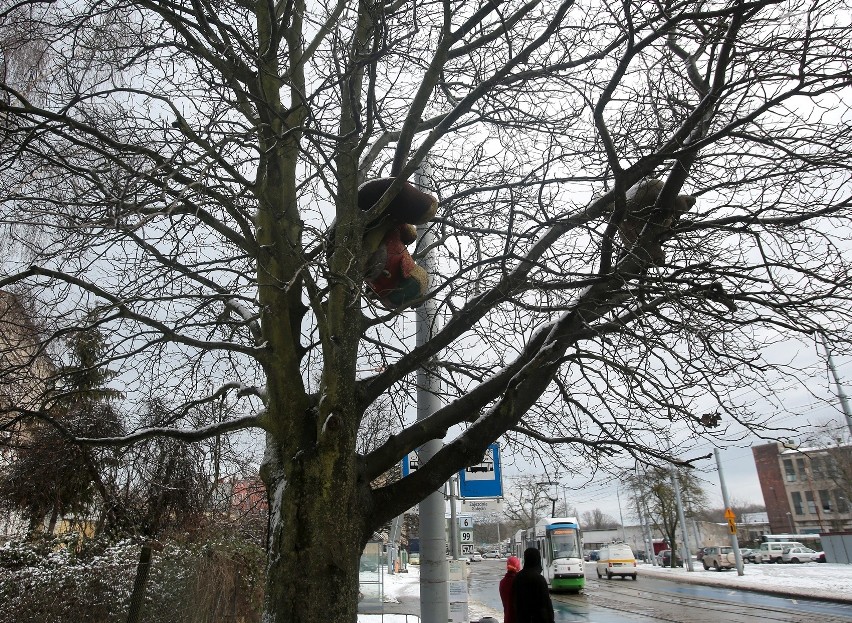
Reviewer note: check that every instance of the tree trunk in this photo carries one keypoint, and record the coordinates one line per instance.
(54, 517)
(317, 511)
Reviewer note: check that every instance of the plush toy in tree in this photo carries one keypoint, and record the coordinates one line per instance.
(640, 203)
(395, 279)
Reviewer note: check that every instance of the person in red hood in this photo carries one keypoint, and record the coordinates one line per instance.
(513, 565)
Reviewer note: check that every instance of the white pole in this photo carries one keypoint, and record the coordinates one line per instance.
(844, 402)
(687, 557)
(735, 543)
(434, 573)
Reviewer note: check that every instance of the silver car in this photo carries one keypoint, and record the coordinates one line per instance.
(799, 554)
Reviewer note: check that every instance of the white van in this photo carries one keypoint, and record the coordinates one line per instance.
(771, 552)
(616, 559)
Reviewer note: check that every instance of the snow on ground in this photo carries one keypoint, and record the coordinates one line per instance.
(820, 581)
(401, 586)
(817, 580)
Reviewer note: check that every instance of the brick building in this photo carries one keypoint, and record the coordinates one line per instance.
(805, 490)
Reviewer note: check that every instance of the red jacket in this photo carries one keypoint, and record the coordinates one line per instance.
(507, 597)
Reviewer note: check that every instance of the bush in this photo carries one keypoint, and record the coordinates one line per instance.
(216, 580)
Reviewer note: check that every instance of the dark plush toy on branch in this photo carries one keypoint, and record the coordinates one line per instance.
(640, 204)
(395, 279)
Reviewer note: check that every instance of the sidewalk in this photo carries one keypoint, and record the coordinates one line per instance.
(400, 603)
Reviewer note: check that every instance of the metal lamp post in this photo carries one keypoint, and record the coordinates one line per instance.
(552, 494)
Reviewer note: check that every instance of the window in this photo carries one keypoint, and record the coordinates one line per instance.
(825, 500)
(800, 467)
(797, 503)
(816, 468)
(809, 496)
(788, 469)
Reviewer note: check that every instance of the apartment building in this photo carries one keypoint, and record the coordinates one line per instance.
(806, 490)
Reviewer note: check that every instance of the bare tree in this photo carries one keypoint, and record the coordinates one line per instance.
(633, 200)
(598, 520)
(656, 495)
(828, 450)
(740, 508)
(526, 501)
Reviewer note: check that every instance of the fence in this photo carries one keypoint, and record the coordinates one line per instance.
(837, 547)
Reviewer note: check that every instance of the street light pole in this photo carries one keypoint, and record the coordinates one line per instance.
(687, 557)
(434, 572)
(735, 543)
(551, 494)
(620, 515)
(841, 395)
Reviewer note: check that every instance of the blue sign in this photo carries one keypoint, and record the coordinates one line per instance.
(483, 480)
(410, 462)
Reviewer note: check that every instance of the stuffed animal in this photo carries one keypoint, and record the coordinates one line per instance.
(640, 203)
(395, 279)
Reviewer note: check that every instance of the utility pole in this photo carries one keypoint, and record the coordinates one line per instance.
(735, 543)
(434, 573)
(644, 504)
(844, 402)
(647, 536)
(687, 557)
(454, 524)
(695, 530)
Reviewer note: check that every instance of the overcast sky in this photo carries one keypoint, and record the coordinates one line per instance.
(800, 409)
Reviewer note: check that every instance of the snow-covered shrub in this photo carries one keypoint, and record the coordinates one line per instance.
(212, 581)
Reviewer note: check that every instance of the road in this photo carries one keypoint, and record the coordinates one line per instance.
(658, 600)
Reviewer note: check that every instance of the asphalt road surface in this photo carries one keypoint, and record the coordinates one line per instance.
(652, 599)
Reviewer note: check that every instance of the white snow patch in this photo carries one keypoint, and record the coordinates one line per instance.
(815, 580)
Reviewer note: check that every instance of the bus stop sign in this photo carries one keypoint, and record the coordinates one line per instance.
(483, 480)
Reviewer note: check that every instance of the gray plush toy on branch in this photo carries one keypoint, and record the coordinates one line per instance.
(640, 200)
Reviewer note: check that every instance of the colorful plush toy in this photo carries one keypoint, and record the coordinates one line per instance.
(640, 203)
(395, 279)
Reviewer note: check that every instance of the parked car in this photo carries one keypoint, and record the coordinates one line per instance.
(414, 558)
(664, 558)
(491, 554)
(746, 553)
(594, 555)
(476, 557)
(799, 554)
(719, 557)
(771, 552)
(820, 557)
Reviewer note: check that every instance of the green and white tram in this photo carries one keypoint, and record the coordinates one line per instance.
(560, 542)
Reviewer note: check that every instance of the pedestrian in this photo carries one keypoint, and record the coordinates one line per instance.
(531, 593)
(513, 565)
